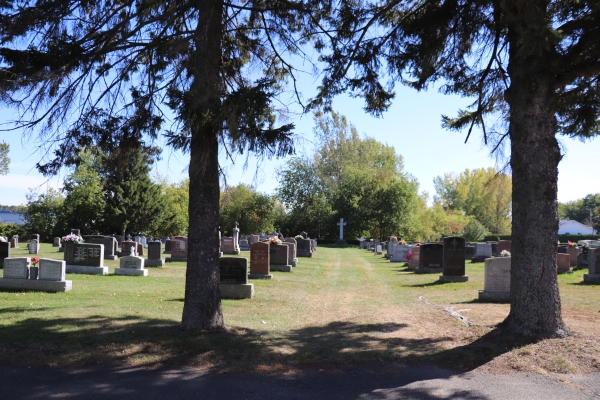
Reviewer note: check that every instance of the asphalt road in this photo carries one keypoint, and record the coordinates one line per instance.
(381, 382)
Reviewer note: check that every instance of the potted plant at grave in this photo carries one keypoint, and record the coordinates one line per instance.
(402, 241)
(34, 269)
(571, 244)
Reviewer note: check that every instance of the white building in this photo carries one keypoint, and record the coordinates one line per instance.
(574, 228)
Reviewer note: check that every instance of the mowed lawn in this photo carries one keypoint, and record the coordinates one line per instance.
(342, 307)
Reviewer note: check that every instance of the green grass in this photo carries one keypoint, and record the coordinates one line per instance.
(343, 306)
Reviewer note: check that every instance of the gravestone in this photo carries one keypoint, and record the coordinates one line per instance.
(236, 239)
(144, 241)
(496, 283)
(593, 266)
(290, 247)
(573, 252)
(14, 243)
(341, 240)
(56, 242)
(85, 258)
(140, 249)
(228, 245)
(378, 250)
(35, 236)
(154, 254)
(4, 252)
(75, 232)
(562, 249)
(52, 270)
(244, 245)
(254, 239)
(582, 261)
(179, 249)
(483, 251)
(234, 278)
(399, 253)
(313, 245)
(304, 248)
(131, 266)
(469, 252)
(494, 245)
(504, 245)
(454, 260)
(51, 277)
(563, 263)
(431, 259)
(168, 246)
(293, 250)
(17, 268)
(126, 246)
(34, 247)
(260, 261)
(279, 258)
(111, 246)
(413, 263)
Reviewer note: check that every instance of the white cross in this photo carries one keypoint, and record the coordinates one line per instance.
(341, 224)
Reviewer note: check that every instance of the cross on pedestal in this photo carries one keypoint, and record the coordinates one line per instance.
(341, 224)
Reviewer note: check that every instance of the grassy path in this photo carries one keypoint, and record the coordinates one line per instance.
(344, 306)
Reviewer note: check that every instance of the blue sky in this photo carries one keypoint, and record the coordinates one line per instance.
(412, 126)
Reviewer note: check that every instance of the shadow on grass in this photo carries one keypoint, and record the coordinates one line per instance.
(435, 283)
(133, 340)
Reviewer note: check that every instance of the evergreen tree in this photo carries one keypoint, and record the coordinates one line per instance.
(534, 65)
(134, 204)
(4, 159)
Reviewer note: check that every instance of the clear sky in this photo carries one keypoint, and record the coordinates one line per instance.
(412, 126)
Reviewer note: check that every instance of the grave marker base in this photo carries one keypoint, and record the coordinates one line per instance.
(428, 270)
(449, 278)
(236, 291)
(303, 254)
(131, 271)
(591, 278)
(233, 252)
(494, 297)
(260, 276)
(294, 262)
(281, 268)
(171, 259)
(83, 269)
(154, 263)
(36, 285)
(113, 258)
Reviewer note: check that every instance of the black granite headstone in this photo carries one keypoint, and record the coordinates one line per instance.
(303, 248)
(4, 252)
(154, 250)
(168, 245)
(454, 256)
(432, 255)
(279, 254)
(85, 254)
(562, 249)
(233, 270)
(469, 252)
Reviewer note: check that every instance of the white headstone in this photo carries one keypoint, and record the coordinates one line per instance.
(133, 262)
(341, 224)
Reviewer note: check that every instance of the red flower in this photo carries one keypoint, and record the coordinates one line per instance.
(35, 261)
(409, 256)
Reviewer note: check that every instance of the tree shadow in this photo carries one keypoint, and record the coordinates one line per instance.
(435, 283)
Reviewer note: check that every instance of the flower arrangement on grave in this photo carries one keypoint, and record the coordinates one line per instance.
(298, 237)
(402, 241)
(409, 256)
(35, 261)
(274, 240)
(73, 238)
(571, 244)
(393, 238)
(505, 253)
(418, 244)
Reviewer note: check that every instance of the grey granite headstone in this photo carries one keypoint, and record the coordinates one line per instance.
(496, 280)
(52, 270)
(304, 248)
(154, 254)
(17, 268)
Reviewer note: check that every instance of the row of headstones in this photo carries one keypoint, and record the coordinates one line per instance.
(47, 276)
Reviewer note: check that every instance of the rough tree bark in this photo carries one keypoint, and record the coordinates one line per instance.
(535, 301)
(202, 306)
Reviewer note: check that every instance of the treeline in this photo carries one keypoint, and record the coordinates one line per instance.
(346, 176)
(364, 182)
(110, 194)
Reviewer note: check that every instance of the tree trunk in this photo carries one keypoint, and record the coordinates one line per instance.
(535, 302)
(202, 305)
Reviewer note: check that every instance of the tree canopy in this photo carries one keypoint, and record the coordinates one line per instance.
(4, 159)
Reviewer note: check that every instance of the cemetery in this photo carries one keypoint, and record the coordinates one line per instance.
(395, 304)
